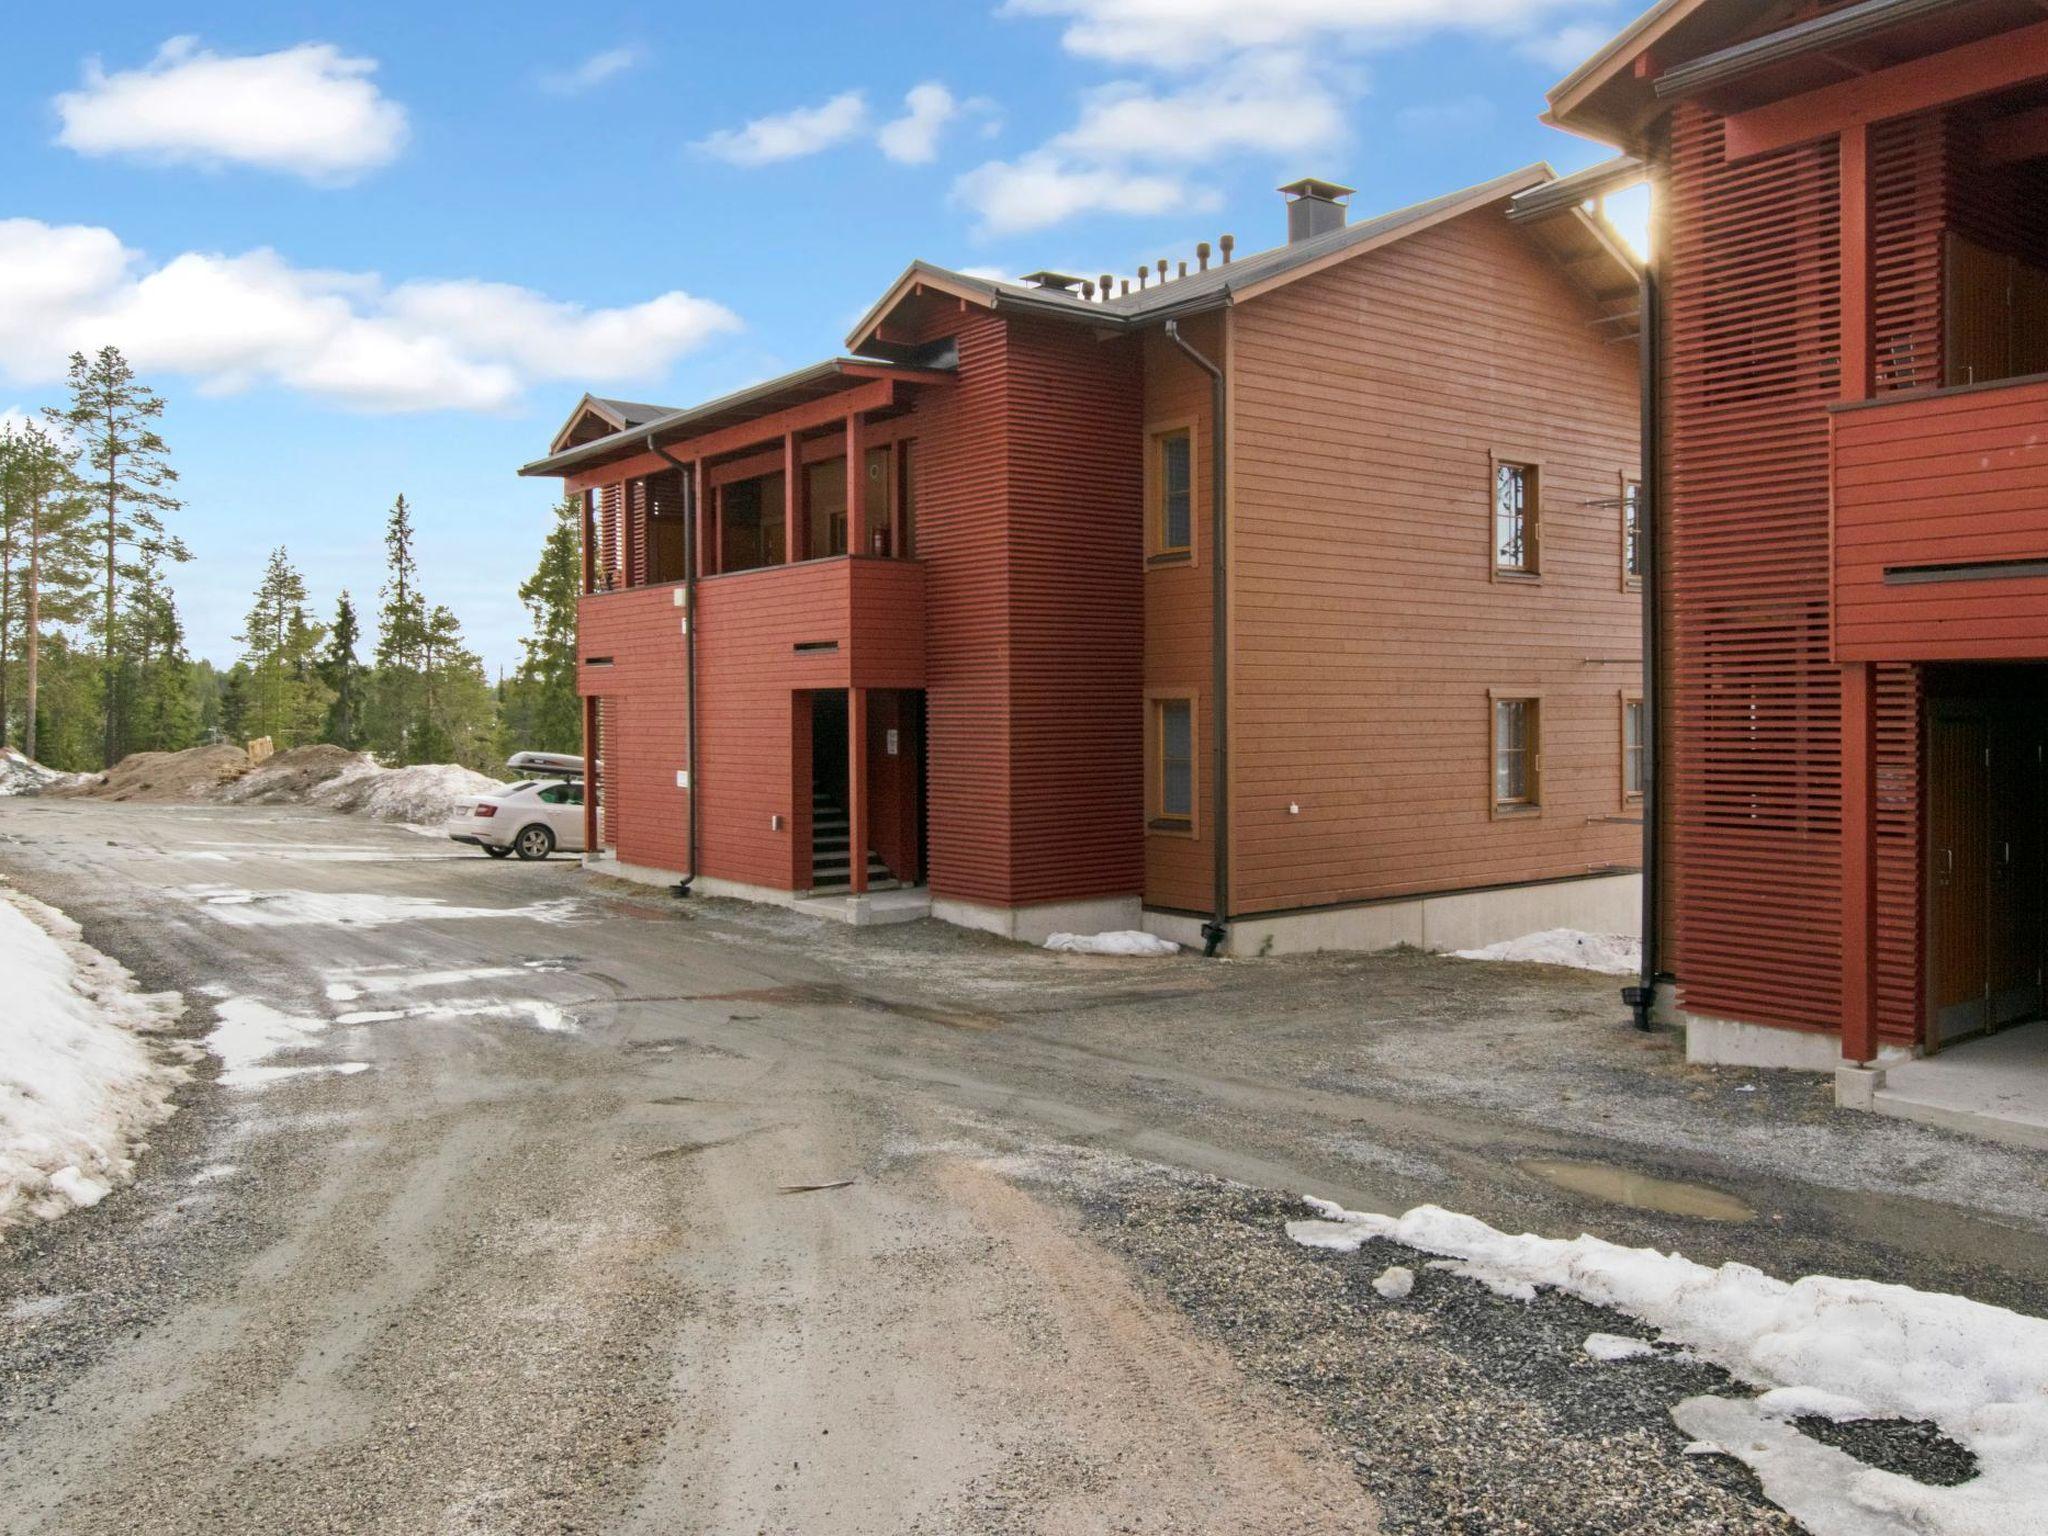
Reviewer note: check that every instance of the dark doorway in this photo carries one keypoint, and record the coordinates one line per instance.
(1987, 783)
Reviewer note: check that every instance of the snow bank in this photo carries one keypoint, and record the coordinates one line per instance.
(1837, 1348)
(25, 776)
(1614, 953)
(1127, 942)
(423, 793)
(78, 1084)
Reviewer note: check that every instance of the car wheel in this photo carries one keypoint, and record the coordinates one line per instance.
(497, 853)
(535, 842)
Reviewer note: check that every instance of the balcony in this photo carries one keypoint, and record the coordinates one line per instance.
(1940, 525)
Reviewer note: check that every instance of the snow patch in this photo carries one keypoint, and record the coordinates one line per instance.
(78, 1084)
(1615, 954)
(1818, 1345)
(248, 1033)
(420, 795)
(1125, 942)
(1395, 1282)
(351, 909)
(21, 775)
(1615, 1346)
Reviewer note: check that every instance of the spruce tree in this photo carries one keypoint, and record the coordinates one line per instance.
(112, 417)
(343, 673)
(401, 644)
(288, 702)
(234, 704)
(51, 555)
(161, 714)
(543, 712)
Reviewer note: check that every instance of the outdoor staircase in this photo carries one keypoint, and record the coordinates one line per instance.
(831, 842)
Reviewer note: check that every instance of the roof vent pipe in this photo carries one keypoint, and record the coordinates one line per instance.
(1162, 269)
(1314, 208)
(1202, 254)
(1105, 286)
(1228, 244)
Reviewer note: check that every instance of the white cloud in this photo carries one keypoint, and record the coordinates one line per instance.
(309, 110)
(1041, 189)
(789, 135)
(913, 138)
(254, 319)
(594, 71)
(1267, 101)
(1176, 33)
(1565, 49)
(1455, 117)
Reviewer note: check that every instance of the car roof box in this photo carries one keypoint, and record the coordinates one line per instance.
(561, 765)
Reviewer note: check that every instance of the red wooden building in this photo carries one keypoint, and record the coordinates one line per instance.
(1850, 511)
(940, 624)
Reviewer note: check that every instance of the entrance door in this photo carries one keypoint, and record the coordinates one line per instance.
(1958, 792)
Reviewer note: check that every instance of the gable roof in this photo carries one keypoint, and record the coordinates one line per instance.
(1223, 283)
(616, 415)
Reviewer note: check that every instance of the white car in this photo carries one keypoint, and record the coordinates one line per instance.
(533, 818)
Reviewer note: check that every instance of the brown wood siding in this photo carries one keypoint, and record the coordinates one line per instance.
(1368, 625)
(1179, 865)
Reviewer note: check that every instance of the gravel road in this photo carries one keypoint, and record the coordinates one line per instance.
(636, 1215)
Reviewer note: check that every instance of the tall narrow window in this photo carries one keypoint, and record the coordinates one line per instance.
(1174, 492)
(1174, 779)
(1633, 749)
(1632, 529)
(1517, 754)
(1514, 518)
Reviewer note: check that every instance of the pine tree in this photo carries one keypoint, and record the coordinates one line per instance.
(288, 702)
(161, 716)
(542, 710)
(343, 673)
(401, 645)
(111, 417)
(234, 704)
(50, 564)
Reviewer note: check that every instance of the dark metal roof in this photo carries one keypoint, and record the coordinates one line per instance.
(1222, 281)
(1820, 34)
(1569, 192)
(756, 400)
(631, 413)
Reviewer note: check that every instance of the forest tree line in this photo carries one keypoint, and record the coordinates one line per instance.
(93, 660)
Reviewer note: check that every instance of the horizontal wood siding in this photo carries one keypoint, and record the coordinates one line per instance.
(1941, 479)
(644, 730)
(1368, 624)
(1178, 605)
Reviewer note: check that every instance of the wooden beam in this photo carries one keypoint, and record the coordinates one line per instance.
(1855, 258)
(857, 790)
(702, 513)
(1956, 74)
(856, 488)
(587, 536)
(590, 774)
(1859, 865)
(792, 503)
(2023, 136)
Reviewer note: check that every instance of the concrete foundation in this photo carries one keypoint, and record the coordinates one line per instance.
(903, 905)
(1996, 1087)
(1036, 923)
(1457, 920)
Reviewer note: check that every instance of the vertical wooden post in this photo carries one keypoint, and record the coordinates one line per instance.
(897, 493)
(1859, 788)
(792, 503)
(857, 790)
(590, 772)
(587, 534)
(856, 488)
(702, 512)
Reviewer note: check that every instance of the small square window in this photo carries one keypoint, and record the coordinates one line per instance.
(1174, 787)
(1634, 749)
(1517, 754)
(1514, 518)
(1173, 516)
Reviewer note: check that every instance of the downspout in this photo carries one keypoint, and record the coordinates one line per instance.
(1216, 929)
(689, 479)
(1642, 998)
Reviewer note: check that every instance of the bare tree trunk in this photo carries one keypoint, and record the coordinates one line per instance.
(34, 636)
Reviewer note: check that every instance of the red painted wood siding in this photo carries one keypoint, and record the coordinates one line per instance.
(1954, 477)
(1754, 750)
(643, 722)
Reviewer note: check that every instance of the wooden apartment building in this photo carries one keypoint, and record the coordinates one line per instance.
(1850, 504)
(1284, 599)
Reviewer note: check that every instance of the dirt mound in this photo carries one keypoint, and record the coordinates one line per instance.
(422, 794)
(194, 775)
(21, 775)
(290, 777)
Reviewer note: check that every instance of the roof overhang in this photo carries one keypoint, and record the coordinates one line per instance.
(772, 397)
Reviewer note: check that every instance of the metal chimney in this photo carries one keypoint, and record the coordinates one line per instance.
(1314, 207)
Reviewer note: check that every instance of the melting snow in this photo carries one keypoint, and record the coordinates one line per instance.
(351, 909)
(249, 1033)
(1127, 942)
(1819, 1345)
(78, 1086)
(1614, 953)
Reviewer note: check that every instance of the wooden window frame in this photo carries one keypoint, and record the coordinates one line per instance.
(1157, 553)
(1632, 799)
(1631, 581)
(1157, 822)
(1531, 572)
(1510, 810)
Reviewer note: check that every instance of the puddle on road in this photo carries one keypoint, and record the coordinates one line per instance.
(1618, 1186)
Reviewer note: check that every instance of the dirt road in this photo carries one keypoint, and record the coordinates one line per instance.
(561, 1206)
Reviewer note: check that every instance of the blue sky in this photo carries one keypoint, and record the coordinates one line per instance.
(372, 248)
